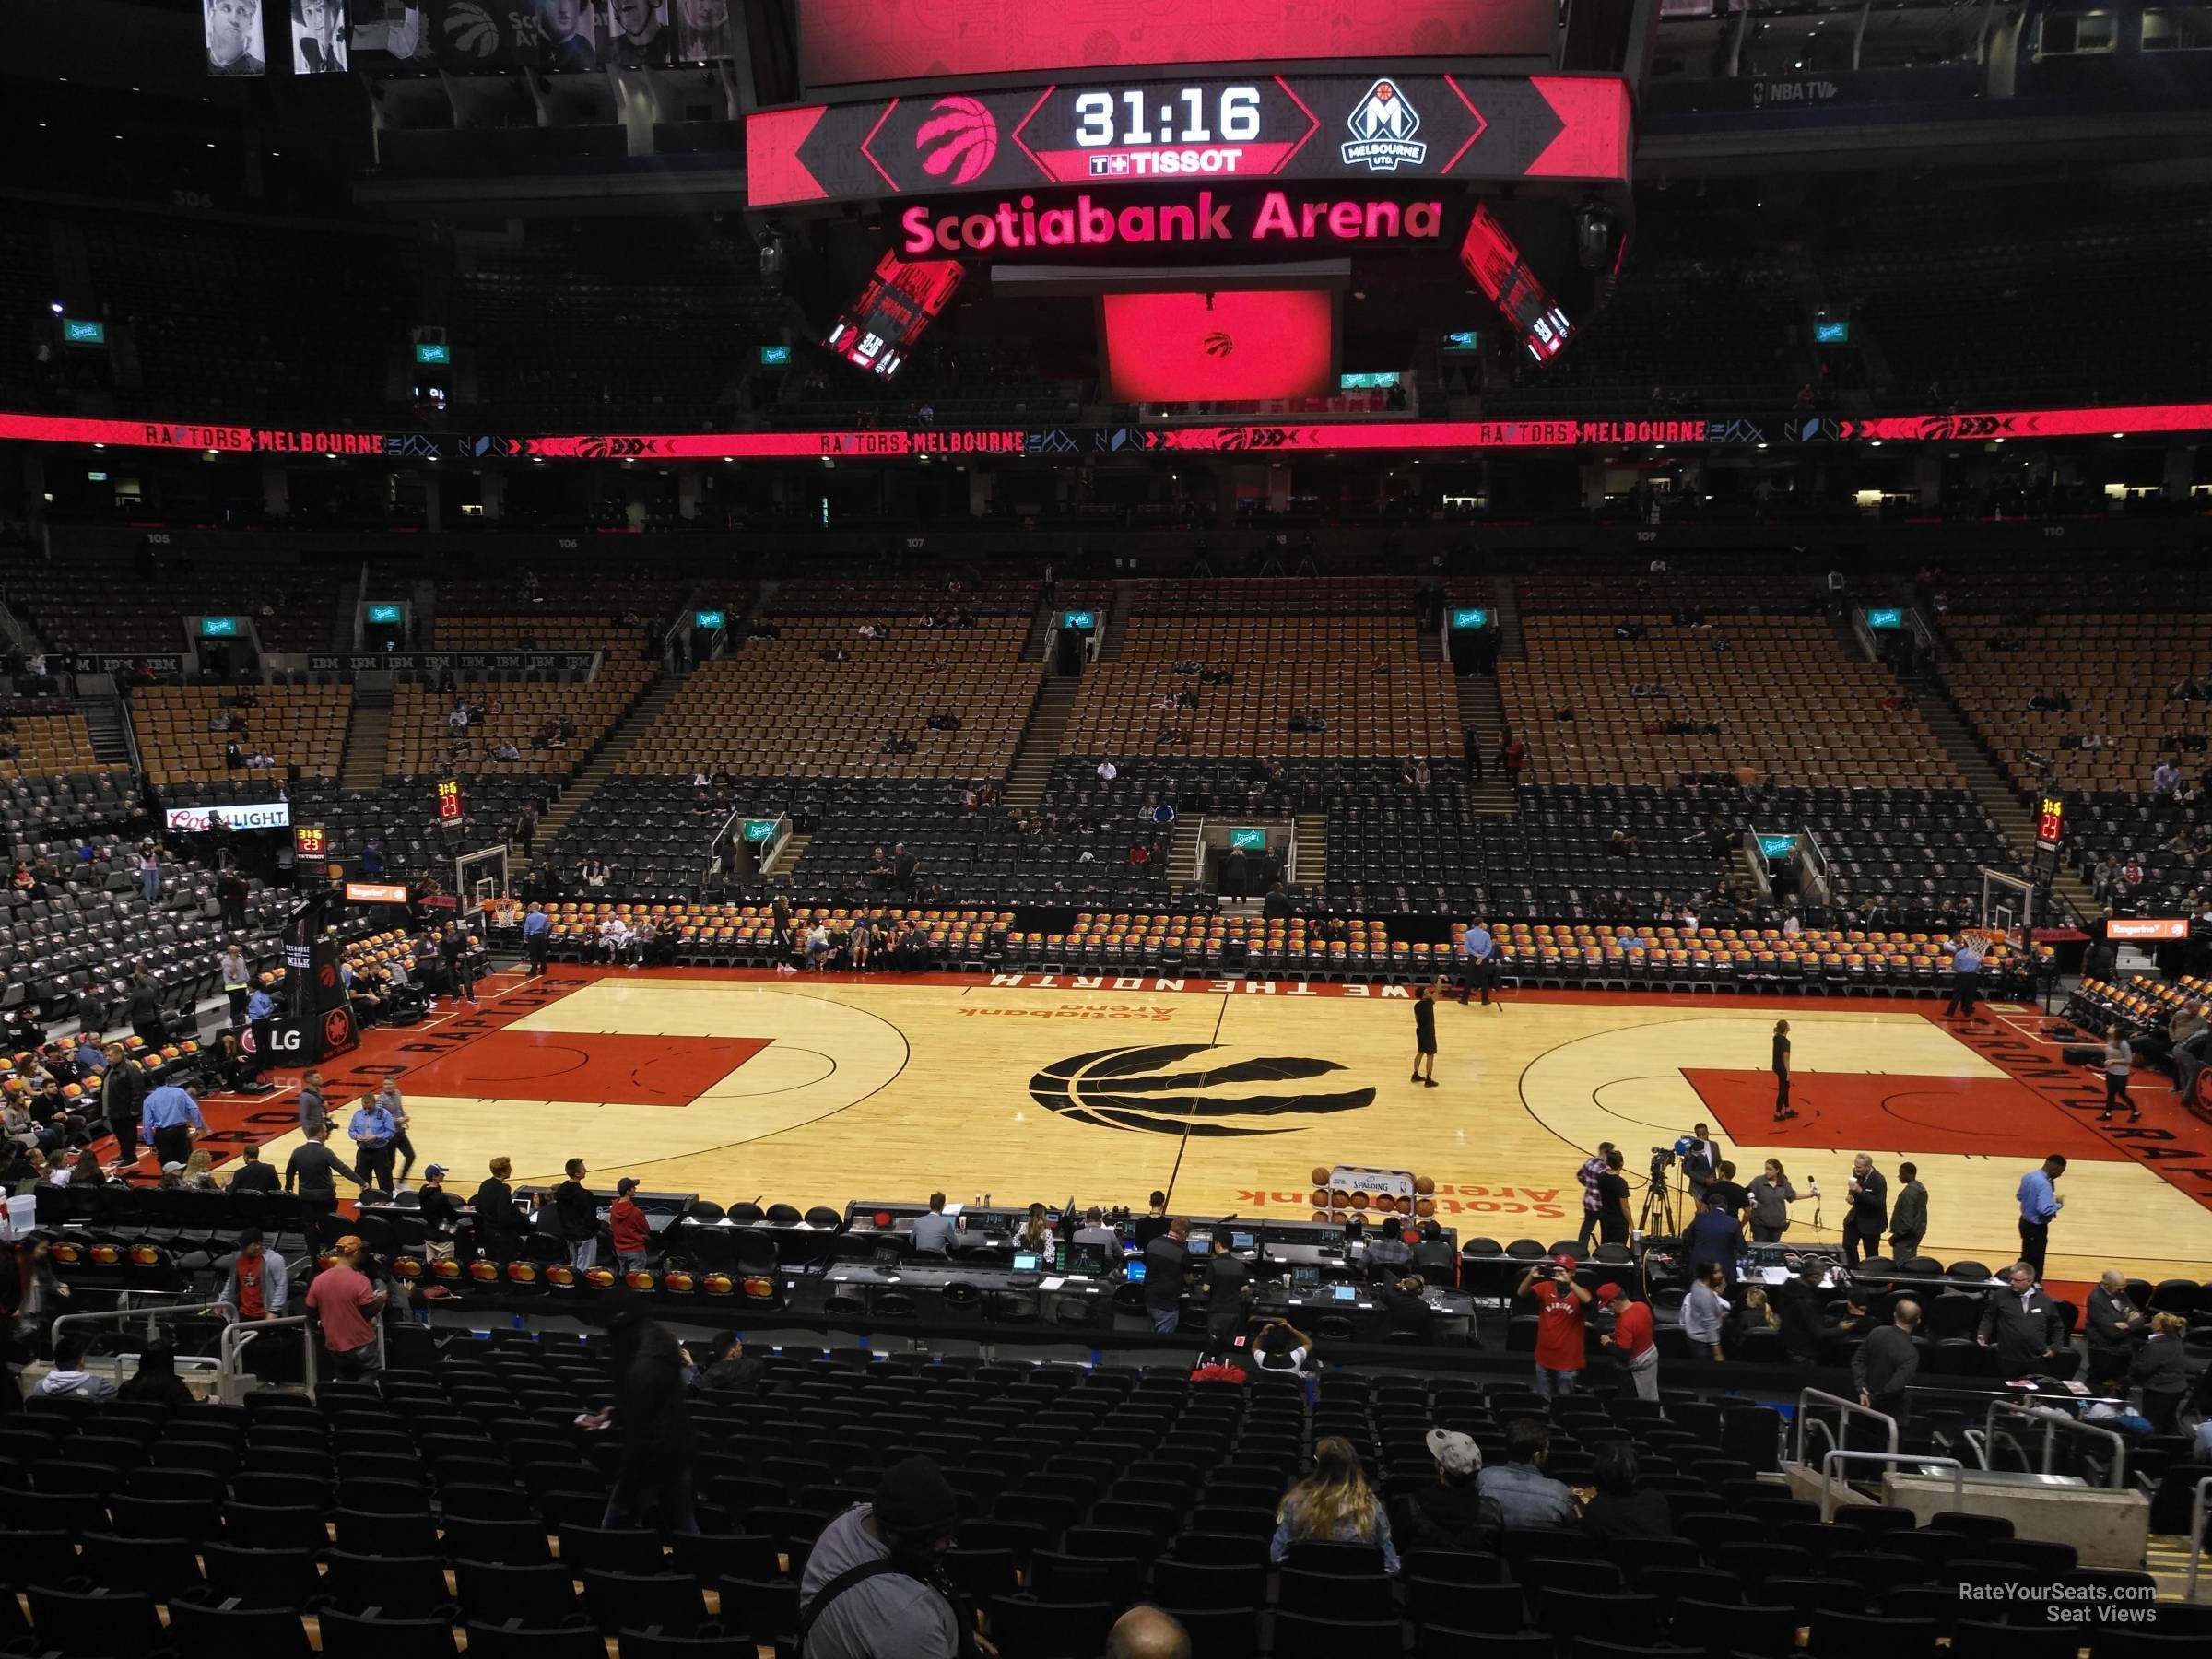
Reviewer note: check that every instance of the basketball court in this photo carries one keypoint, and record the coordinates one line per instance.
(739, 1085)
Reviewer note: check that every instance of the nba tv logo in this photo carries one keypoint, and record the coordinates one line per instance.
(1384, 124)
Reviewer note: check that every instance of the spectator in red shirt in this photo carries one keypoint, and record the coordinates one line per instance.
(257, 1287)
(1561, 1315)
(1631, 1339)
(628, 1222)
(346, 1304)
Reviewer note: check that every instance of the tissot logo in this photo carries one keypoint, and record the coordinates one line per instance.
(1172, 1088)
(1384, 124)
(959, 139)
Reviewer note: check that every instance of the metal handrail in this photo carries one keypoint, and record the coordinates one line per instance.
(1827, 1463)
(229, 1371)
(2200, 1509)
(2052, 1422)
(148, 1312)
(1850, 1408)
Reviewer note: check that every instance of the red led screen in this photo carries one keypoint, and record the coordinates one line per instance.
(845, 41)
(1195, 347)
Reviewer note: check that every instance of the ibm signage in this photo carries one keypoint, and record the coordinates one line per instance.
(460, 662)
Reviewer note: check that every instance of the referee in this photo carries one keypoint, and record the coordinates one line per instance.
(170, 1119)
(1966, 976)
(1477, 959)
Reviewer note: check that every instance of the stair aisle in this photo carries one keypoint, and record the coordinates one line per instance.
(1480, 707)
(366, 732)
(1039, 744)
(103, 722)
(601, 765)
(1312, 851)
(2007, 809)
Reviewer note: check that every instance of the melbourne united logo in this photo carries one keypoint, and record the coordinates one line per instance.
(960, 138)
(1219, 344)
(1384, 124)
(1194, 1088)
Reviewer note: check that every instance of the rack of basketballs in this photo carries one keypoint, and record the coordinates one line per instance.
(1352, 1192)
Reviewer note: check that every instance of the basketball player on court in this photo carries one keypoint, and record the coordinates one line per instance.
(1424, 1037)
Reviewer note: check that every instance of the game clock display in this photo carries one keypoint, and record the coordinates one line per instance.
(1369, 126)
(2050, 822)
(452, 807)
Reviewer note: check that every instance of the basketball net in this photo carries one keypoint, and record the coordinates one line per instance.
(1985, 939)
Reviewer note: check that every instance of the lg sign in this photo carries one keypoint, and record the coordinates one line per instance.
(1020, 224)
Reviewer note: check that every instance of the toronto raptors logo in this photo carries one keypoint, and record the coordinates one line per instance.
(1194, 1088)
(1219, 344)
(1383, 125)
(960, 138)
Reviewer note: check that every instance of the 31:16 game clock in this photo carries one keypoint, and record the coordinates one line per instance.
(451, 808)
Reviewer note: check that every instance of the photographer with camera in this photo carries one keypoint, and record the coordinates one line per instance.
(874, 1580)
(1562, 1318)
(1700, 1161)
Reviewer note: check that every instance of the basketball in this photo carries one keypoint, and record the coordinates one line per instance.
(1319, 1176)
(1423, 1186)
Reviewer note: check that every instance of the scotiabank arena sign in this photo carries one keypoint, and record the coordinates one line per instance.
(1275, 219)
(271, 815)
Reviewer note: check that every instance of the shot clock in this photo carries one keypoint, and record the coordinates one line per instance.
(452, 807)
(2050, 822)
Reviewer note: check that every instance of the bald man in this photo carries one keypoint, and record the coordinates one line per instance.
(1145, 1633)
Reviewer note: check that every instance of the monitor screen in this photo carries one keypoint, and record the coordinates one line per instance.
(1136, 1270)
(1199, 1247)
(1082, 1258)
(1240, 1241)
(1025, 1260)
(1306, 1278)
(1344, 1292)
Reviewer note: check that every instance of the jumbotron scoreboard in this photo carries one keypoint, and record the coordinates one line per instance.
(1233, 149)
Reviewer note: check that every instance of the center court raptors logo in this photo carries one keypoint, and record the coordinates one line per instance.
(1171, 1088)
(1384, 124)
(1219, 344)
(960, 138)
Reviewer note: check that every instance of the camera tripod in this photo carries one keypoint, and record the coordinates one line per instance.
(1658, 1216)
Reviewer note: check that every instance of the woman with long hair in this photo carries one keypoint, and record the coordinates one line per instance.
(2159, 1370)
(1036, 1234)
(1334, 1504)
(1771, 1194)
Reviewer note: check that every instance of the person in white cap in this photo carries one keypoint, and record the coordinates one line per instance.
(1452, 1514)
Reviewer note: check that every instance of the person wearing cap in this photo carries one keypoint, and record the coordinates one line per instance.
(313, 1171)
(654, 1416)
(1562, 1311)
(441, 1213)
(1525, 1496)
(627, 1222)
(258, 1284)
(1617, 1509)
(1452, 1513)
(169, 1119)
(346, 1305)
(875, 1581)
(251, 1175)
(1631, 1339)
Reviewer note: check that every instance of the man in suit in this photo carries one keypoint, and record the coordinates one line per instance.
(1700, 1163)
(2028, 1331)
(1869, 1211)
(1801, 1306)
(2114, 1327)
(1884, 1364)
